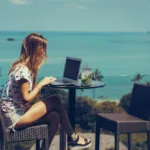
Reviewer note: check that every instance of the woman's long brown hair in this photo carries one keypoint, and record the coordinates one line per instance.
(33, 53)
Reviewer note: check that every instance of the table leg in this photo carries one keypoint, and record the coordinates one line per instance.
(71, 114)
(71, 106)
(63, 141)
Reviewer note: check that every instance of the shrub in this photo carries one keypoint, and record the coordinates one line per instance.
(125, 101)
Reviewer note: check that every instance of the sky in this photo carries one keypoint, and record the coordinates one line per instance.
(75, 15)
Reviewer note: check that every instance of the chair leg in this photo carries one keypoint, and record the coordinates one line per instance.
(45, 143)
(2, 145)
(129, 141)
(37, 144)
(148, 140)
(97, 136)
(116, 141)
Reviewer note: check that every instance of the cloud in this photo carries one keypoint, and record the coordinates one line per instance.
(78, 6)
(19, 2)
(68, 1)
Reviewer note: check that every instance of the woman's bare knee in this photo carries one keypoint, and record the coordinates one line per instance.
(35, 112)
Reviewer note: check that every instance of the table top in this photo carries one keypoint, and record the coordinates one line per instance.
(78, 85)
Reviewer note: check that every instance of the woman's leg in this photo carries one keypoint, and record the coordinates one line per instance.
(64, 120)
(37, 115)
(53, 120)
(41, 108)
(34, 114)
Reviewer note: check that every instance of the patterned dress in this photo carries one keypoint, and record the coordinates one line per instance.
(12, 102)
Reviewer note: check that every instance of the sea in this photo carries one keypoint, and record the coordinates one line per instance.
(119, 56)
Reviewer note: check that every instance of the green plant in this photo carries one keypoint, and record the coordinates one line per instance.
(125, 101)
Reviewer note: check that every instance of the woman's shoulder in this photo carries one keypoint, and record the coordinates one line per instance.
(21, 71)
(21, 67)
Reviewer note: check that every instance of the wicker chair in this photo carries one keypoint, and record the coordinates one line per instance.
(38, 132)
(135, 121)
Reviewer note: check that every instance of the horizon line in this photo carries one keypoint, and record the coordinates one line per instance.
(58, 31)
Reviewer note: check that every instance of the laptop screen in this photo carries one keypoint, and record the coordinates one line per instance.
(72, 68)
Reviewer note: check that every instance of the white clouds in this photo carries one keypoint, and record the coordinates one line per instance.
(78, 6)
(19, 2)
(68, 1)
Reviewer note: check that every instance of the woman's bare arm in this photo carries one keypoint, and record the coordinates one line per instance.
(28, 96)
(24, 86)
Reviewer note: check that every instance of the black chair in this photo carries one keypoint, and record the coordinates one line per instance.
(135, 121)
(38, 132)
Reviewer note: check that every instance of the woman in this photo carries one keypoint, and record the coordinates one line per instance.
(21, 90)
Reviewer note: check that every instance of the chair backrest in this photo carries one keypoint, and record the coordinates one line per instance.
(2, 123)
(140, 101)
(2, 130)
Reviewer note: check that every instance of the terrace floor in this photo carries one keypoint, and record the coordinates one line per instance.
(107, 141)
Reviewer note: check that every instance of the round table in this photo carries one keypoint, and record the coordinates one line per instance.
(72, 98)
(72, 95)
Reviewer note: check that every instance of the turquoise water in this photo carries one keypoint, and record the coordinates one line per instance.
(119, 57)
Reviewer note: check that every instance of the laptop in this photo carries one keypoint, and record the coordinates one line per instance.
(71, 72)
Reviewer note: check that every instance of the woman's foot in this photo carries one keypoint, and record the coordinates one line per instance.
(76, 142)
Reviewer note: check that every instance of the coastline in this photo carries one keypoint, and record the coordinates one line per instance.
(117, 101)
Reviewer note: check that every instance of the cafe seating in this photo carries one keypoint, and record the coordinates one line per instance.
(38, 132)
(136, 120)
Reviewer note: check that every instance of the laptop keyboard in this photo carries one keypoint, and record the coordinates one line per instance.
(63, 81)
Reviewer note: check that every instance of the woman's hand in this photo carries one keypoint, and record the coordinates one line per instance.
(47, 80)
